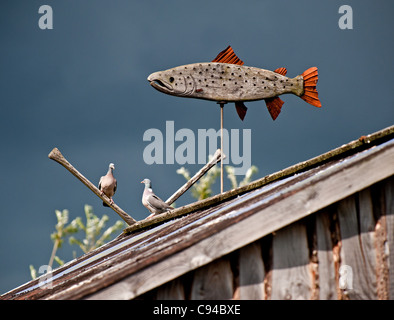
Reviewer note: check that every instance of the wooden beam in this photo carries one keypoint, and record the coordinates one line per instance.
(326, 268)
(389, 205)
(291, 279)
(57, 156)
(358, 276)
(251, 272)
(172, 290)
(213, 282)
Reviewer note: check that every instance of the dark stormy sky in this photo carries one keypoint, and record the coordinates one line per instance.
(82, 87)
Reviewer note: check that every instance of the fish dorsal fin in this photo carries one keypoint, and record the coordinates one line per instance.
(228, 56)
(281, 71)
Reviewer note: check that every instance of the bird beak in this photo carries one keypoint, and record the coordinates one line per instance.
(142, 181)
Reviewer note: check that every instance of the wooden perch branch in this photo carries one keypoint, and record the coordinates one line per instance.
(215, 159)
(56, 155)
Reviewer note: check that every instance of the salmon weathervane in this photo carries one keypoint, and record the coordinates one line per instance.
(226, 79)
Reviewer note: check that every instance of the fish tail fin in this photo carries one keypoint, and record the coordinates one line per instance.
(310, 94)
(274, 106)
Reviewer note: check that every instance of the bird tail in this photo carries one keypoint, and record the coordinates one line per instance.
(105, 205)
(310, 94)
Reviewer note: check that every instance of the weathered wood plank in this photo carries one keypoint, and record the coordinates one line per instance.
(291, 279)
(313, 268)
(367, 236)
(382, 267)
(251, 272)
(358, 274)
(389, 204)
(326, 268)
(213, 281)
(172, 290)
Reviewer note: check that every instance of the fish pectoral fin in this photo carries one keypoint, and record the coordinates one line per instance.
(274, 106)
(281, 71)
(241, 109)
(228, 56)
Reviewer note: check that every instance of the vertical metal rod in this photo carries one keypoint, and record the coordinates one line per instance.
(221, 146)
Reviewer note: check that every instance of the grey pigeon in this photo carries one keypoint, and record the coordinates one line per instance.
(151, 201)
(107, 184)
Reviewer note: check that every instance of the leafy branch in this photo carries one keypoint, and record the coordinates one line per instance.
(233, 178)
(62, 230)
(92, 229)
(202, 189)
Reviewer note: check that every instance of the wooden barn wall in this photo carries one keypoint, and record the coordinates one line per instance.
(340, 252)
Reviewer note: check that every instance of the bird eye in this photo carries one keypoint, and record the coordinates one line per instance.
(172, 79)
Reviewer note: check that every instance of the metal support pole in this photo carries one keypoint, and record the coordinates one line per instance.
(221, 143)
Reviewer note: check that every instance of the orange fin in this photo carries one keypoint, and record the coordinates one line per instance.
(310, 81)
(274, 106)
(228, 56)
(241, 109)
(281, 71)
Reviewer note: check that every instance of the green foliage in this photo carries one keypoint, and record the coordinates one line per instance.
(202, 188)
(93, 229)
(62, 229)
(233, 178)
(94, 236)
(33, 272)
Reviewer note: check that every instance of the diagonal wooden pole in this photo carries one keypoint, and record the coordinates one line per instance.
(57, 156)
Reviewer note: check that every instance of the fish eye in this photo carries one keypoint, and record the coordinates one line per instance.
(172, 79)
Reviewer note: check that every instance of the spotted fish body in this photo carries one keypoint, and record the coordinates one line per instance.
(225, 82)
(226, 79)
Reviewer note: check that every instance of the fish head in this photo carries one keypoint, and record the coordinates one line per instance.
(172, 82)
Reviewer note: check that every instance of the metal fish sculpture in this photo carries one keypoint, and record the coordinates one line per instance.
(226, 79)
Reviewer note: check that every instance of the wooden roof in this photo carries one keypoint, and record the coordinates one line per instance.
(153, 252)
